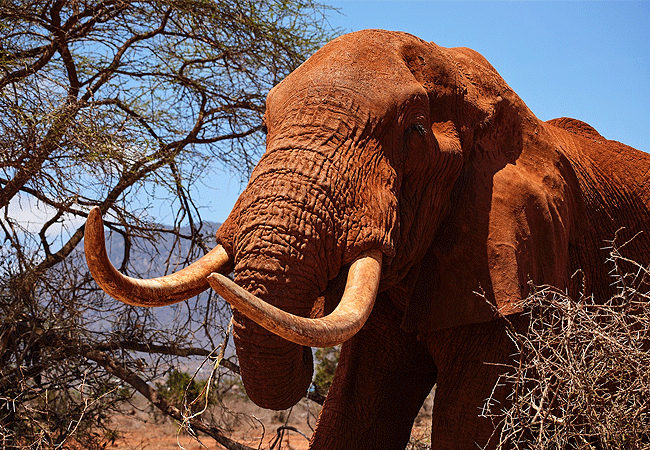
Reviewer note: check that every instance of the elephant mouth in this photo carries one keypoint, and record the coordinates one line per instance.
(337, 327)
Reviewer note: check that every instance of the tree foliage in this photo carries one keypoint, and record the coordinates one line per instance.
(326, 359)
(129, 105)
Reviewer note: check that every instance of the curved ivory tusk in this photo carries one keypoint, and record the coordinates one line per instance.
(339, 326)
(161, 291)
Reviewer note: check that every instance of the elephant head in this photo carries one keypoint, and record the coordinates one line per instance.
(392, 165)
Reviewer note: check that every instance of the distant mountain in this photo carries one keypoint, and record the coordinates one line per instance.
(152, 259)
(148, 259)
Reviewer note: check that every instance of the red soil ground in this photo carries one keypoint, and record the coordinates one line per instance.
(140, 429)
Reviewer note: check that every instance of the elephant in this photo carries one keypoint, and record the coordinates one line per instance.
(400, 179)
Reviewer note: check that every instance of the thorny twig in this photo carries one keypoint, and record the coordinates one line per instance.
(581, 378)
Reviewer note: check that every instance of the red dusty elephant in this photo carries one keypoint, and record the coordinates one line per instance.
(399, 179)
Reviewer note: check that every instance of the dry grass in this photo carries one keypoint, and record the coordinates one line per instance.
(581, 378)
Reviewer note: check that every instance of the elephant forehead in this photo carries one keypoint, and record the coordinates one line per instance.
(370, 65)
(371, 56)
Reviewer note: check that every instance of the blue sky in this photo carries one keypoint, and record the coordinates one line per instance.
(587, 60)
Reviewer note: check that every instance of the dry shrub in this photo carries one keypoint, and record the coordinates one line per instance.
(581, 377)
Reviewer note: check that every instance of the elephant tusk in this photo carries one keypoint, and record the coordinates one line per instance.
(160, 291)
(337, 327)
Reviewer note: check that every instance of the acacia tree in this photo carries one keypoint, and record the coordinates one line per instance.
(126, 105)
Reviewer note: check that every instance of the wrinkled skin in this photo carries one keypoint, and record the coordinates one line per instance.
(381, 141)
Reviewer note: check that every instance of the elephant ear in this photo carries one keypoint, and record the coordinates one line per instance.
(513, 213)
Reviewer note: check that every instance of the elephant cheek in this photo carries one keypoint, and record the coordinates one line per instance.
(276, 373)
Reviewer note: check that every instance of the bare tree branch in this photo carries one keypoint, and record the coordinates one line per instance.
(125, 105)
(156, 399)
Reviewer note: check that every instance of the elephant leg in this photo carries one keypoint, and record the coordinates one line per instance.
(468, 359)
(382, 379)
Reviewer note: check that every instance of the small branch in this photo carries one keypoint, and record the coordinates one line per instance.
(316, 397)
(47, 53)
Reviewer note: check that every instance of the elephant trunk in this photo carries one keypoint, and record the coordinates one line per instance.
(276, 373)
(285, 249)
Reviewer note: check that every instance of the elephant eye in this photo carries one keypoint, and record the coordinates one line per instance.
(263, 129)
(417, 127)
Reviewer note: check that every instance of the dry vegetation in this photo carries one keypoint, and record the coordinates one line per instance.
(581, 378)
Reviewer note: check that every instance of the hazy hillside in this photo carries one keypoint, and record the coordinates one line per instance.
(148, 259)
